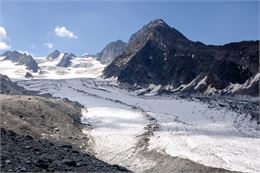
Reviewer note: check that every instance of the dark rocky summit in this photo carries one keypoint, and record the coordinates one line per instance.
(111, 51)
(66, 60)
(22, 59)
(54, 55)
(160, 55)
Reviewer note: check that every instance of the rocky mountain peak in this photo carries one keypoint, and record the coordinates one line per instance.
(55, 54)
(161, 55)
(66, 60)
(13, 54)
(158, 23)
(22, 59)
(158, 32)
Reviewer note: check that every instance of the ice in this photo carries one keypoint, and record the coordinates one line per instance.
(213, 136)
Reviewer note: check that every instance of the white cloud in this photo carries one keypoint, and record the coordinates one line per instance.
(3, 35)
(62, 31)
(49, 45)
(4, 46)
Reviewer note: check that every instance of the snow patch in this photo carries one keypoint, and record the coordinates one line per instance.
(202, 82)
(234, 87)
(210, 90)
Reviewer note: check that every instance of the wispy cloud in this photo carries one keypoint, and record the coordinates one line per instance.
(62, 31)
(49, 45)
(3, 35)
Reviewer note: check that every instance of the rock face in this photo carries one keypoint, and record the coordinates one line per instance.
(22, 59)
(161, 55)
(54, 55)
(66, 60)
(9, 87)
(111, 51)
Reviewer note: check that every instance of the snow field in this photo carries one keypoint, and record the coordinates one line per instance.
(213, 136)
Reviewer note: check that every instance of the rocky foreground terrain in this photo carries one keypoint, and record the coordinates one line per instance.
(44, 134)
(24, 153)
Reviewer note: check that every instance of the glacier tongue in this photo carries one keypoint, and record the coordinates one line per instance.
(212, 136)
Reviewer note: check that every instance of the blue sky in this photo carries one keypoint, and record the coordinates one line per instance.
(87, 26)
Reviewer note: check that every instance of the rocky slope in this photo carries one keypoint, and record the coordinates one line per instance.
(9, 87)
(160, 55)
(39, 155)
(48, 129)
(21, 59)
(111, 51)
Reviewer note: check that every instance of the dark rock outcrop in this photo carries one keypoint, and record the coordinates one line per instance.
(28, 75)
(66, 60)
(161, 55)
(111, 51)
(22, 59)
(54, 55)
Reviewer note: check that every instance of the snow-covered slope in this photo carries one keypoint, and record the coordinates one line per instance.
(211, 135)
(11, 69)
(81, 67)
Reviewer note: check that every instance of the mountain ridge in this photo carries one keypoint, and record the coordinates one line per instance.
(160, 55)
(21, 59)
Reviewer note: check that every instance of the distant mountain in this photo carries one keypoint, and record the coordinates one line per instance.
(66, 60)
(22, 59)
(54, 55)
(158, 55)
(111, 51)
